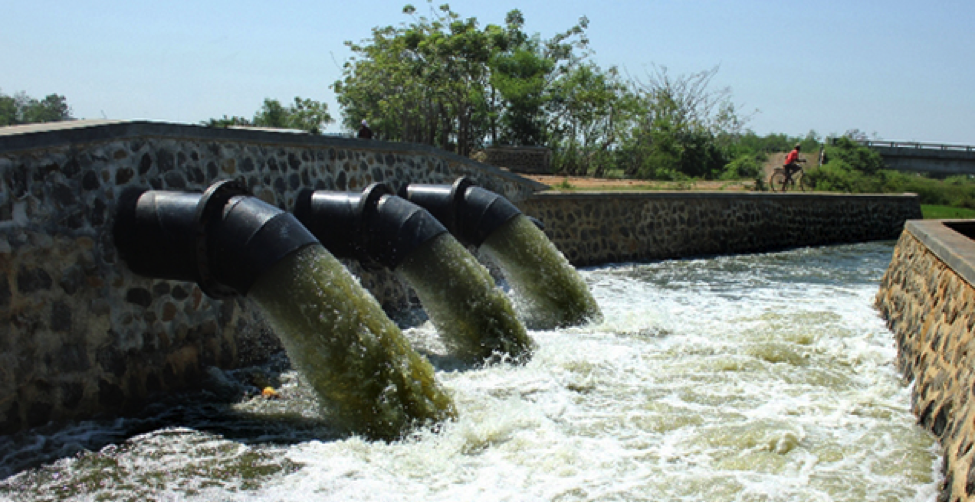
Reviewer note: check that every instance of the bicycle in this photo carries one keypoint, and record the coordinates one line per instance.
(783, 179)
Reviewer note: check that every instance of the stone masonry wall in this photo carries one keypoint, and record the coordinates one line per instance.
(82, 334)
(928, 299)
(592, 228)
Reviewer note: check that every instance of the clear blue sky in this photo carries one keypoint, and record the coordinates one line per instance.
(895, 69)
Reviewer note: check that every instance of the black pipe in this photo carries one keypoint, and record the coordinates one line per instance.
(468, 211)
(373, 227)
(223, 239)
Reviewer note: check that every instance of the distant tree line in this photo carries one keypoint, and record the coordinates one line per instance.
(303, 114)
(22, 109)
(446, 81)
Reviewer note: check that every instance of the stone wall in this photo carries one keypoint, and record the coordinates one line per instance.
(928, 299)
(593, 228)
(521, 159)
(84, 335)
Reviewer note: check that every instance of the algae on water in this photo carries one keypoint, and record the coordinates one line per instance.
(360, 365)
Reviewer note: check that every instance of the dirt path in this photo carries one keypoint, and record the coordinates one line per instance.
(557, 182)
(588, 183)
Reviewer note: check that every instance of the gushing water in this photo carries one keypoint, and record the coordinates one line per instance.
(473, 316)
(358, 362)
(760, 377)
(552, 292)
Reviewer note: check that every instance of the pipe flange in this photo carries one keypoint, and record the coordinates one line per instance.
(457, 192)
(208, 211)
(366, 210)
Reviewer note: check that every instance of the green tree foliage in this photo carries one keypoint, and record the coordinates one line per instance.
(22, 109)
(850, 167)
(304, 114)
(592, 110)
(445, 81)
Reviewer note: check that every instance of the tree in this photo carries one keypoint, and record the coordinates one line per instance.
(591, 112)
(22, 109)
(444, 81)
(684, 128)
(304, 114)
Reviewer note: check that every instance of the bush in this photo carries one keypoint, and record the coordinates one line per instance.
(743, 166)
(838, 176)
(855, 156)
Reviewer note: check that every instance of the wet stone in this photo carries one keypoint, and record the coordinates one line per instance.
(60, 317)
(111, 359)
(196, 175)
(73, 358)
(123, 176)
(152, 383)
(138, 296)
(145, 164)
(5, 293)
(175, 180)
(71, 394)
(32, 280)
(63, 195)
(161, 288)
(39, 412)
(98, 213)
(165, 160)
(110, 396)
(90, 181)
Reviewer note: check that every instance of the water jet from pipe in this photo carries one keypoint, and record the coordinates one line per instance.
(554, 293)
(473, 317)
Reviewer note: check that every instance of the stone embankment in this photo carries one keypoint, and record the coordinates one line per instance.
(928, 299)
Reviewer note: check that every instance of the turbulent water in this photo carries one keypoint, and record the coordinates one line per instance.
(760, 377)
(551, 292)
(473, 317)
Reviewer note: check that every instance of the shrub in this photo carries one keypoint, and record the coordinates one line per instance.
(743, 166)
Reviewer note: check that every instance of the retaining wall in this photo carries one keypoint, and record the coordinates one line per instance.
(594, 228)
(928, 299)
(82, 335)
(521, 159)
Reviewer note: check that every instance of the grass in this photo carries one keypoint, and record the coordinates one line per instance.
(934, 211)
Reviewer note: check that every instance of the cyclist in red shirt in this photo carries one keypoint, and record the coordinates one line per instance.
(792, 161)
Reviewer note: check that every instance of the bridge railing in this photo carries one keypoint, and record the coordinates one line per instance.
(916, 144)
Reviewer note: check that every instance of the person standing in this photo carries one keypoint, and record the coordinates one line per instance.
(364, 131)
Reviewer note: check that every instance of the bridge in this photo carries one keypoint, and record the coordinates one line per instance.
(936, 159)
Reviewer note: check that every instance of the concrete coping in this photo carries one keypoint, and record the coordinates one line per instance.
(951, 246)
(726, 194)
(54, 134)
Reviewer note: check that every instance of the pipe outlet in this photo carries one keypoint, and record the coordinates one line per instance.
(469, 212)
(223, 239)
(373, 227)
